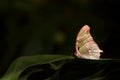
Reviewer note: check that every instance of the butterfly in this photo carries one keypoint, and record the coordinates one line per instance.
(86, 47)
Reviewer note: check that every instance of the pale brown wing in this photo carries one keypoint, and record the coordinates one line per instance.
(86, 47)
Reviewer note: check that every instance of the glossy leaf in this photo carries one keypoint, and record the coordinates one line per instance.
(20, 64)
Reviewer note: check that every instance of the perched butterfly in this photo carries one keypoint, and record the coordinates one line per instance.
(86, 47)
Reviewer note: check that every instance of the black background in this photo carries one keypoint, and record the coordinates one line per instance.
(50, 27)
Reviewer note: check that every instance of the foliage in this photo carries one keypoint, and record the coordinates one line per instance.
(57, 67)
(38, 37)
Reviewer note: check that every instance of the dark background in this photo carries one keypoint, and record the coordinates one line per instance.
(32, 27)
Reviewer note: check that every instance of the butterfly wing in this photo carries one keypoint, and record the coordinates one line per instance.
(85, 45)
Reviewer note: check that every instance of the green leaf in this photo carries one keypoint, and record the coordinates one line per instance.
(95, 76)
(85, 69)
(26, 76)
(22, 63)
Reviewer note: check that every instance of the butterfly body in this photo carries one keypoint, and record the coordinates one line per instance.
(86, 47)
